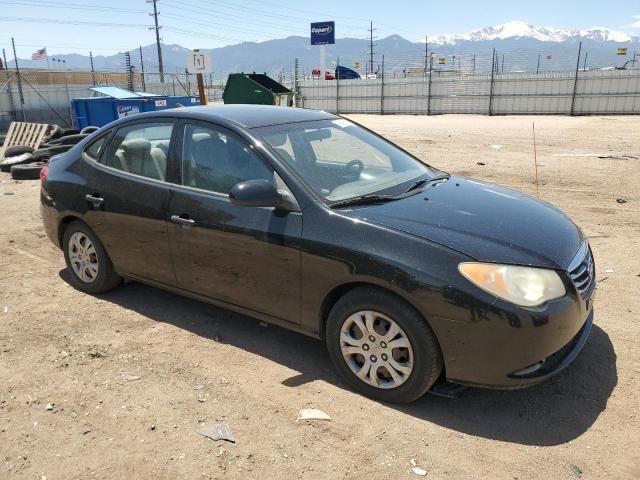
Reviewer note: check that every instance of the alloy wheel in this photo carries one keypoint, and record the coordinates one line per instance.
(376, 349)
(83, 257)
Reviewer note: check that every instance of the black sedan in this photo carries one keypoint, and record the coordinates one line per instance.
(309, 221)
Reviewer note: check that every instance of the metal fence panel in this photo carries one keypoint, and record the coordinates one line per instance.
(597, 92)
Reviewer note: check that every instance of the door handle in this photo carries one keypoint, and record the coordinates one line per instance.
(94, 200)
(183, 220)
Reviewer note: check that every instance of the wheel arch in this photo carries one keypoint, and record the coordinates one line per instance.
(63, 224)
(341, 290)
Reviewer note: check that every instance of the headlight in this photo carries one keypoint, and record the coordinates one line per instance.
(525, 286)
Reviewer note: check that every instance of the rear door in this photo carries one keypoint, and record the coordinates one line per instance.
(246, 256)
(129, 196)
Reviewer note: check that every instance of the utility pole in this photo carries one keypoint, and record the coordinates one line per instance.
(144, 85)
(93, 72)
(426, 53)
(12, 106)
(538, 67)
(584, 65)
(157, 29)
(371, 30)
(15, 59)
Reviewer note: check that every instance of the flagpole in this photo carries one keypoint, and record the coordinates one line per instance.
(46, 54)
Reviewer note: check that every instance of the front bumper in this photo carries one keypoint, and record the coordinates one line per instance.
(502, 346)
(556, 362)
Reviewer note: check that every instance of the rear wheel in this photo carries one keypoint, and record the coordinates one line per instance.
(381, 346)
(90, 266)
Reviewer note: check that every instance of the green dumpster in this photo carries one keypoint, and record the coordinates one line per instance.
(256, 88)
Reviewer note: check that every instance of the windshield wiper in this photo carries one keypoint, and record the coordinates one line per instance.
(372, 198)
(426, 181)
(364, 200)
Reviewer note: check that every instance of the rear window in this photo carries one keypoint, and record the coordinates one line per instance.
(94, 150)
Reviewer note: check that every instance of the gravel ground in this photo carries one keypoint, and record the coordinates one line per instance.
(116, 386)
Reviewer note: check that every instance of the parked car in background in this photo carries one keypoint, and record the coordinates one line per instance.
(309, 221)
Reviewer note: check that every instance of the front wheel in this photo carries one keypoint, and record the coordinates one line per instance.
(90, 266)
(381, 346)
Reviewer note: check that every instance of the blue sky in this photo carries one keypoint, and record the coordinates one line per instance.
(214, 23)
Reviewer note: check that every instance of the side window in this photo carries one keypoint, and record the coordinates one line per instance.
(140, 149)
(94, 150)
(214, 161)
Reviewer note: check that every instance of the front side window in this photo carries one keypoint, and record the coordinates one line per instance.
(140, 149)
(215, 161)
(340, 160)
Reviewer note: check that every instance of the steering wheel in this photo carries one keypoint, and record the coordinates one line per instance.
(353, 169)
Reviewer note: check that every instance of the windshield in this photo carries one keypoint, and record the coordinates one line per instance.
(340, 160)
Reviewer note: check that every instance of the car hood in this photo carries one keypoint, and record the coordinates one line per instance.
(485, 221)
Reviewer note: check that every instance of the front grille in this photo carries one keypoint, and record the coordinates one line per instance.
(583, 271)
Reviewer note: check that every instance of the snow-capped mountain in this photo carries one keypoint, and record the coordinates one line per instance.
(519, 29)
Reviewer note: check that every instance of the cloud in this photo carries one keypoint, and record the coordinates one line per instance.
(635, 23)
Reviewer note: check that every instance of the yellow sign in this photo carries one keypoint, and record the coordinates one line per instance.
(333, 62)
(441, 61)
(622, 51)
(356, 64)
(433, 55)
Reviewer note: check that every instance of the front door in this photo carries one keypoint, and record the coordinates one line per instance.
(246, 256)
(128, 199)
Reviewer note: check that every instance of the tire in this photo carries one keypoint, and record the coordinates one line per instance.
(71, 139)
(88, 130)
(86, 280)
(422, 358)
(28, 171)
(17, 150)
(54, 132)
(44, 153)
(8, 162)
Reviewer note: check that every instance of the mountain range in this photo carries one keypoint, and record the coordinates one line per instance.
(519, 47)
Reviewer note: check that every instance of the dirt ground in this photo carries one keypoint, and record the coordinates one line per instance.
(116, 386)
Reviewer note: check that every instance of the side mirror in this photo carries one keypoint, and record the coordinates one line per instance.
(261, 193)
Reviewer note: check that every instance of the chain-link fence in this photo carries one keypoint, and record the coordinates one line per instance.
(45, 96)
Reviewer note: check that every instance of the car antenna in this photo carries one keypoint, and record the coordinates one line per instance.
(535, 158)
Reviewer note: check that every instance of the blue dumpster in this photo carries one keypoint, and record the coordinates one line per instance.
(118, 103)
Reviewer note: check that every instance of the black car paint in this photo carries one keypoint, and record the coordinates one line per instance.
(289, 267)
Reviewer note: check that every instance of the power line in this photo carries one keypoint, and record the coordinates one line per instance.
(78, 6)
(72, 22)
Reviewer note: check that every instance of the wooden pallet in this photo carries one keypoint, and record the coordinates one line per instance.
(22, 133)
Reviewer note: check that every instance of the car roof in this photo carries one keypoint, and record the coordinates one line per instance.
(248, 116)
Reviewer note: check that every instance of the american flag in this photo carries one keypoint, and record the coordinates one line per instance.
(39, 54)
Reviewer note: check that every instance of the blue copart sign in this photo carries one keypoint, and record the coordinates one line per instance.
(323, 33)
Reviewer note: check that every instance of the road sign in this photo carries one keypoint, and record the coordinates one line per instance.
(622, 51)
(323, 33)
(356, 64)
(199, 62)
(441, 61)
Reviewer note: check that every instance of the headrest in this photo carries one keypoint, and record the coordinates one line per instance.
(136, 145)
(209, 148)
(197, 137)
